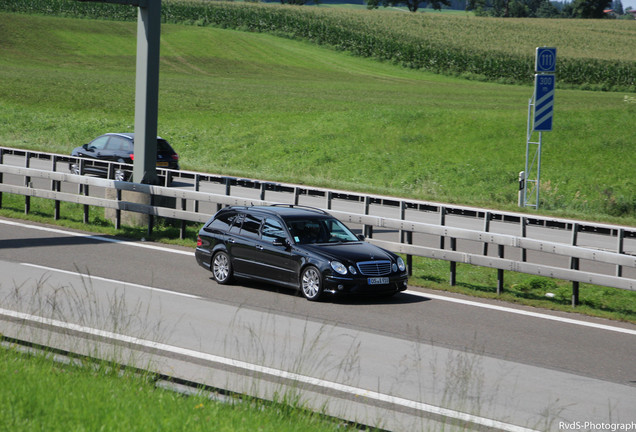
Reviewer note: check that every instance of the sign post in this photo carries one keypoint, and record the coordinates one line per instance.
(540, 113)
(146, 87)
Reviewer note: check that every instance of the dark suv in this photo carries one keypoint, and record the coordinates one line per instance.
(297, 247)
(119, 147)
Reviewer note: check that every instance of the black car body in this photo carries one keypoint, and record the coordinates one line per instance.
(119, 147)
(297, 247)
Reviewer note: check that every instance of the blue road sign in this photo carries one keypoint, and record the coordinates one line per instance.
(543, 102)
(545, 60)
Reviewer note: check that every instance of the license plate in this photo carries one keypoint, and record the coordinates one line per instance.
(378, 281)
(162, 164)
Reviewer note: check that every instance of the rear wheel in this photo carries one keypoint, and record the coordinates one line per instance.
(311, 283)
(222, 268)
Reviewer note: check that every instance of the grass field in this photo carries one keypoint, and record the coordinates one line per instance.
(260, 106)
(89, 397)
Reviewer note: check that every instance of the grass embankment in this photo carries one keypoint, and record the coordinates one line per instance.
(260, 106)
(41, 394)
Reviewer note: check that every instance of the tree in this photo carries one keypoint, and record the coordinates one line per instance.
(617, 5)
(590, 8)
(412, 5)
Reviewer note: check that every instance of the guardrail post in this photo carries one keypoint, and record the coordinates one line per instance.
(151, 218)
(297, 192)
(118, 211)
(86, 207)
(487, 218)
(453, 264)
(55, 187)
(368, 229)
(619, 249)
(524, 253)
(329, 196)
(263, 189)
(27, 180)
(442, 222)
(574, 265)
(500, 273)
(408, 236)
(182, 231)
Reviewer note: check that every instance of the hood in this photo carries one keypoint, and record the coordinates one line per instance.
(349, 251)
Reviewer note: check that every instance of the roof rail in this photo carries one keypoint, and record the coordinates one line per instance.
(300, 206)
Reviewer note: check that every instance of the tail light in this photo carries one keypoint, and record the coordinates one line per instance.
(199, 241)
(175, 157)
(132, 156)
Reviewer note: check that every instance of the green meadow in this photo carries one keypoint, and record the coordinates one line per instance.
(257, 105)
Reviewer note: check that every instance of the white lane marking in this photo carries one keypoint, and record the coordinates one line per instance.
(416, 293)
(98, 238)
(522, 312)
(113, 281)
(251, 367)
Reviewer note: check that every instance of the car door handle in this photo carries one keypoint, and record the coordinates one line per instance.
(259, 247)
(231, 240)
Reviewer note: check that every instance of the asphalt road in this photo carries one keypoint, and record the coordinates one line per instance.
(516, 365)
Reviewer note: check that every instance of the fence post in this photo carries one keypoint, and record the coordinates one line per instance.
(86, 206)
(487, 218)
(55, 187)
(574, 265)
(619, 249)
(453, 264)
(27, 180)
(408, 236)
(523, 233)
(500, 273)
(442, 222)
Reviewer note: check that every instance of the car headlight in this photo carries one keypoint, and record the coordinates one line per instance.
(339, 267)
(400, 263)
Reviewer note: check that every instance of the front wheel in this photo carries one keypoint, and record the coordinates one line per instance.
(311, 283)
(222, 268)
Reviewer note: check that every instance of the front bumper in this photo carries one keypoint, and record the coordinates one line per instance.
(361, 285)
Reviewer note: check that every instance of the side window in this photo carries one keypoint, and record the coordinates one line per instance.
(223, 221)
(251, 225)
(119, 144)
(236, 226)
(99, 143)
(272, 230)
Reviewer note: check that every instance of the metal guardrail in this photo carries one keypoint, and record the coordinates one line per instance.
(407, 228)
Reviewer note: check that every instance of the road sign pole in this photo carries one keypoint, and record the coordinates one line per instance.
(147, 92)
(540, 109)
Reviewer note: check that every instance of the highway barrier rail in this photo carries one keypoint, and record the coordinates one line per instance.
(577, 251)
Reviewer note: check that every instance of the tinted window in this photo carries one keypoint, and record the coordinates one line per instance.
(119, 144)
(251, 225)
(236, 226)
(272, 230)
(223, 221)
(99, 143)
(163, 146)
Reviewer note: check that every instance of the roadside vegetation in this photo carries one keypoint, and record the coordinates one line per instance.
(40, 393)
(260, 106)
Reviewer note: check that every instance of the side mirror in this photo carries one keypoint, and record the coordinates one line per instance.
(281, 242)
(360, 237)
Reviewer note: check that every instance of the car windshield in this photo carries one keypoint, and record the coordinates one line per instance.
(306, 231)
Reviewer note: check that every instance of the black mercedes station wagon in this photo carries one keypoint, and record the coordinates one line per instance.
(297, 247)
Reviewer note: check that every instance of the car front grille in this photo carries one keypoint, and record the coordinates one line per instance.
(374, 268)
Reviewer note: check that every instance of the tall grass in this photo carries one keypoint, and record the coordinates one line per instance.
(41, 394)
(592, 54)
